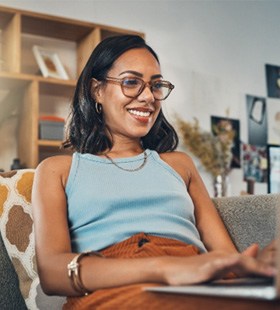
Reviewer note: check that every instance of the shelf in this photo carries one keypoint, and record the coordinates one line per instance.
(21, 77)
(49, 143)
(55, 27)
(24, 92)
(5, 18)
(14, 80)
(111, 32)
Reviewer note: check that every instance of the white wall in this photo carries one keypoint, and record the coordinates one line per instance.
(213, 51)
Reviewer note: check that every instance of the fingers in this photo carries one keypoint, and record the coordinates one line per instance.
(270, 247)
(241, 265)
(214, 265)
(249, 266)
(272, 244)
(252, 250)
(268, 254)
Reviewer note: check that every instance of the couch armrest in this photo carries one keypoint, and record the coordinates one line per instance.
(250, 218)
(17, 233)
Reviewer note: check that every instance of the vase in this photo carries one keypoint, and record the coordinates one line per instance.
(221, 185)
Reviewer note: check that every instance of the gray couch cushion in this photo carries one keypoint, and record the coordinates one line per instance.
(249, 219)
(10, 297)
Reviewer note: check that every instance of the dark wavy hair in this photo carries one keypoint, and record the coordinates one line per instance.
(86, 131)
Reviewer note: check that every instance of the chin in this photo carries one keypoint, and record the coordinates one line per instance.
(139, 134)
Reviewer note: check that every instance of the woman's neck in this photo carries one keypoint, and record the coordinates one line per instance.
(125, 149)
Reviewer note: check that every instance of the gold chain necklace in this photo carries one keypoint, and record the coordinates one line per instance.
(130, 170)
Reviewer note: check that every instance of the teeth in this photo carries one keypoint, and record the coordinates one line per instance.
(140, 113)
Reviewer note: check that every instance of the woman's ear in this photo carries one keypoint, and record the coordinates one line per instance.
(96, 92)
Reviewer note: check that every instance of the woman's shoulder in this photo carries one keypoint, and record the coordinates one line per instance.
(177, 157)
(56, 162)
(181, 162)
(55, 166)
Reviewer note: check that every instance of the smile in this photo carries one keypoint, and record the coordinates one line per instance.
(139, 113)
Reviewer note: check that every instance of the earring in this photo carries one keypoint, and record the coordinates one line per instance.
(98, 108)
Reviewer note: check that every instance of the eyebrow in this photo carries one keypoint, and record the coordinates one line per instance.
(155, 76)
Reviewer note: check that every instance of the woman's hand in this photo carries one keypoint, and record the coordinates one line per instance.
(266, 255)
(213, 265)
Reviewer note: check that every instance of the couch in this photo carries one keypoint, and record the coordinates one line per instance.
(249, 219)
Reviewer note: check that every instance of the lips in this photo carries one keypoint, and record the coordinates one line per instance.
(140, 114)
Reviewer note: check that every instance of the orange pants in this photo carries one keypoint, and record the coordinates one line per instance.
(132, 296)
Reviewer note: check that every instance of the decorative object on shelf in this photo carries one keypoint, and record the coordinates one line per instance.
(250, 186)
(24, 93)
(51, 127)
(221, 185)
(213, 151)
(49, 63)
(16, 165)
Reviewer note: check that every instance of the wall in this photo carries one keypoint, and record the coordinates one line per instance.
(213, 51)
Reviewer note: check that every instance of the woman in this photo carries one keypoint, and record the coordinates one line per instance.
(126, 195)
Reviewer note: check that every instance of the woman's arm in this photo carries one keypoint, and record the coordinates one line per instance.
(209, 223)
(53, 248)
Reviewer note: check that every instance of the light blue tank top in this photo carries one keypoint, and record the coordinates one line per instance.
(107, 205)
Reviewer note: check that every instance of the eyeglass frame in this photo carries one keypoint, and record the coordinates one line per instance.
(144, 85)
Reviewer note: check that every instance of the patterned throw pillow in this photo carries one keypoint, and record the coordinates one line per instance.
(16, 225)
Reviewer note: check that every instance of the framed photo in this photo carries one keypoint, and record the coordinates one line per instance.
(254, 163)
(223, 125)
(273, 80)
(273, 156)
(257, 120)
(49, 63)
(273, 121)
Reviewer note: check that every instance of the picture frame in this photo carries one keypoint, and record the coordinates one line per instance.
(49, 63)
(254, 163)
(272, 80)
(224, 124)
(273, 161)
(257, 120)
(273, 121)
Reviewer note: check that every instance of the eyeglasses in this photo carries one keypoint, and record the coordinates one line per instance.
(132, 87)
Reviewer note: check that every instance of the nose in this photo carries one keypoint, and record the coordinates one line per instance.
(146, 94)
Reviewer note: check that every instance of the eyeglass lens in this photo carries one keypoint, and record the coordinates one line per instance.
(133, 88)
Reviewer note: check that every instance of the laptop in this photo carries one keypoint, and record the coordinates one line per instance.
(252, 288)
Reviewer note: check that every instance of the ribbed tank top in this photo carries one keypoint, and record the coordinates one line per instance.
(107, 205)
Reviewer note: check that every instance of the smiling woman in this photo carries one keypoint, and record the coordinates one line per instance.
(126, 210)
(128, 102)
(106, 77)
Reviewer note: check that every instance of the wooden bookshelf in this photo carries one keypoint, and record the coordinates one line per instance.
(20, 78)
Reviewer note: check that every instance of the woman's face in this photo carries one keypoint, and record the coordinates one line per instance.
(127, 117)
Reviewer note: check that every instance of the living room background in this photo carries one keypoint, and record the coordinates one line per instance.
(214, 52)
